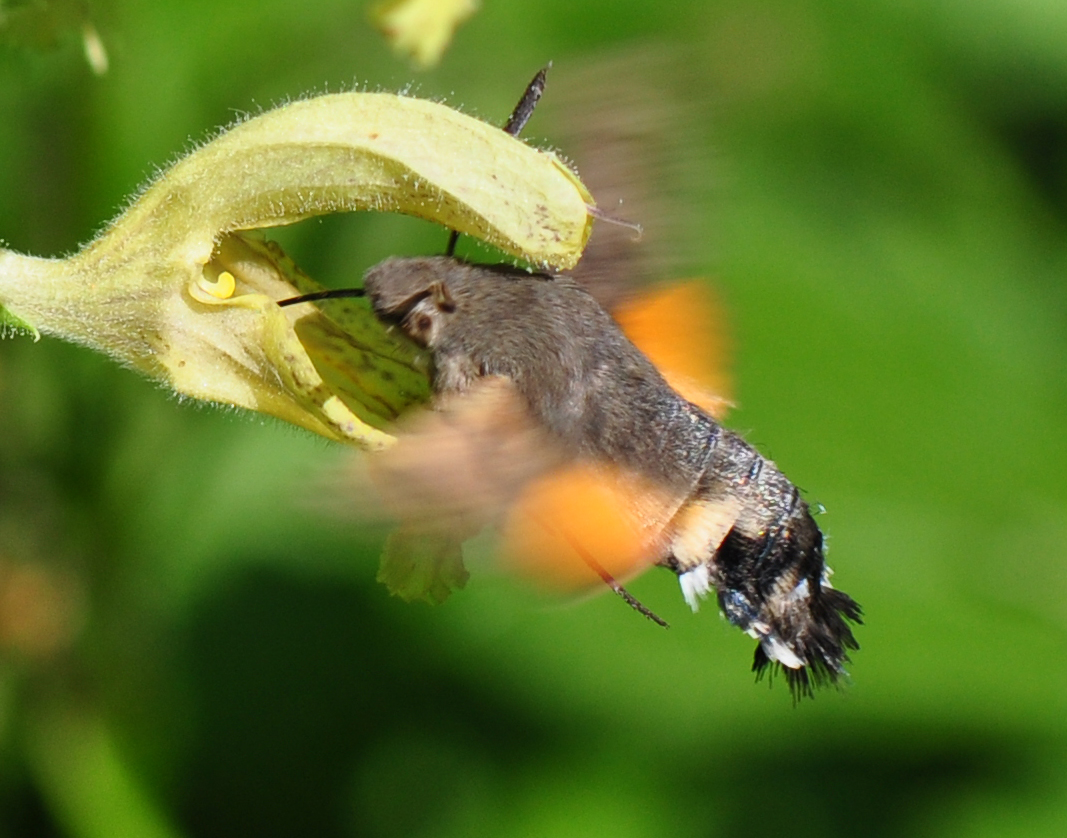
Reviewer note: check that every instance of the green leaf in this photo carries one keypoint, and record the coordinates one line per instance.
(422, 563)
(10, 323)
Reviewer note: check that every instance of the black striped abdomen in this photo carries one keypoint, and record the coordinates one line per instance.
(746, 531)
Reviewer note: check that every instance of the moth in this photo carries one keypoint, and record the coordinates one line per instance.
(724, 517)
(549, 421)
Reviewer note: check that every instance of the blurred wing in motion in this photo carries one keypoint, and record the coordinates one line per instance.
(682, 330)
(454, 470)
(467, 460)
(585, 523)
(638, 149)
(481, 459)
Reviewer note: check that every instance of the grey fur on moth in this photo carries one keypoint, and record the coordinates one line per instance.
(740, 527)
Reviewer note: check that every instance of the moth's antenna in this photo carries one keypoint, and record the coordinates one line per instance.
(525, 108)
(516, 122)
(453, 237)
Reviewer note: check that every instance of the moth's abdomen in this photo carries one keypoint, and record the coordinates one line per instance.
(775, 587)
(746, 532)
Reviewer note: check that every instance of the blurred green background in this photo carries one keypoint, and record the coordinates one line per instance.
(188, 646)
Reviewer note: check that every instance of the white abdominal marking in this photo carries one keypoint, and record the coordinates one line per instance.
(777, 651)
(695, 585)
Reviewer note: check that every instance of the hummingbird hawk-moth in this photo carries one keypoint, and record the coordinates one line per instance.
(551, 422)
(720, 515)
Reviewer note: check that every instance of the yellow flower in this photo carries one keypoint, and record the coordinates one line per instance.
(173, 288)
(422, 29)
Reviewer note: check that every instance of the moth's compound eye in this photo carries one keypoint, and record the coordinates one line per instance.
(421, 323)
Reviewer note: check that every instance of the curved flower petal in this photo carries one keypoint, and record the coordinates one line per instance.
(170, 290)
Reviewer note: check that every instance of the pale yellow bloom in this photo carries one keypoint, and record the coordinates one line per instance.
(174, 290)
(422, 29)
